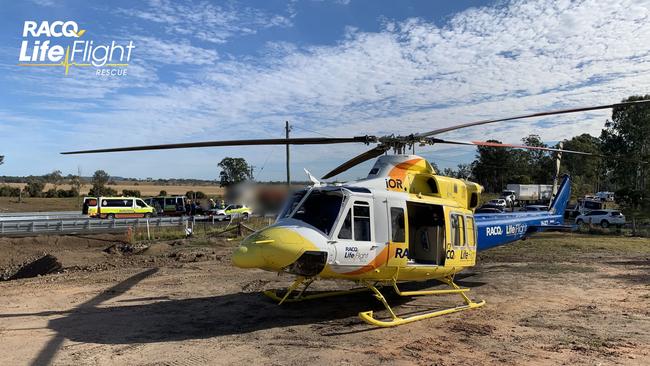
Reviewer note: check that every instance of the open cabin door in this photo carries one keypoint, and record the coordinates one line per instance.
(426, 233)
(417, 234)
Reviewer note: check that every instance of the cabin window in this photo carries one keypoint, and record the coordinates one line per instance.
(457, 228)
(397, 224)
(356, 225)
(361, 221)
(346, 228)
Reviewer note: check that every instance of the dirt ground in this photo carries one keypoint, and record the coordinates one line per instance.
(554, 299)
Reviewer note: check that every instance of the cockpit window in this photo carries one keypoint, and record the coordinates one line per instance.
(320, 209)
(291, 204)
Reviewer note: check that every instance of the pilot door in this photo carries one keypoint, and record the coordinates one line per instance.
(354, 240)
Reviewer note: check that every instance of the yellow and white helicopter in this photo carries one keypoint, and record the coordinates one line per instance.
(403, 222)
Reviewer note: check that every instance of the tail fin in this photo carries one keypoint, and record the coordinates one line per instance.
(561, 199)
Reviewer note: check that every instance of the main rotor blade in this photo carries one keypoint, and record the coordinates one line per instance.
(290, 141)
(370, 154)
(532, 115)
(496, 144)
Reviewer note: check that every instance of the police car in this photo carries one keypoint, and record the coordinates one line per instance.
(231, 212)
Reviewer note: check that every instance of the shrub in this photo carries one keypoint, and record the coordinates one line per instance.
(9, 191)
(131, 193)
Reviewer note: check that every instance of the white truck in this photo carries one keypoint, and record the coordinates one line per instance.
(531, 192)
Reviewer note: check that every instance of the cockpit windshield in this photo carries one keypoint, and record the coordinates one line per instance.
(292, 203)
(320, 209)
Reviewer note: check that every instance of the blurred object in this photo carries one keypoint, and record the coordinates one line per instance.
(263, 199)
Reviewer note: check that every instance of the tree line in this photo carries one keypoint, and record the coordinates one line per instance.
(623, 150)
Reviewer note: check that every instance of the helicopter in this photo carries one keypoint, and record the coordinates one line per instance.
(403, 222)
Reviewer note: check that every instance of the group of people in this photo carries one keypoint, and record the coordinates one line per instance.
(194, 207)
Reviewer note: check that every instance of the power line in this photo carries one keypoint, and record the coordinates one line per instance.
(312, 131)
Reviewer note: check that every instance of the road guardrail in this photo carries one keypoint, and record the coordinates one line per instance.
(87, 225)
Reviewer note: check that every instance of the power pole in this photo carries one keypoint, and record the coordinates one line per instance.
(287, 129)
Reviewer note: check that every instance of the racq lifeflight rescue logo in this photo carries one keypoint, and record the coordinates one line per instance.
(59, 44)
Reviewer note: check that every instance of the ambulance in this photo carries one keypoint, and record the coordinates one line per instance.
(116, 207)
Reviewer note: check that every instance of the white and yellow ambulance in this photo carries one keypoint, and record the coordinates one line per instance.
(116, 207)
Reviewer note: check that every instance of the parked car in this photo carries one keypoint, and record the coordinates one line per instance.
(604, 218)
(510, 197)
(168, 205)
(572, 211)
(489, 208)
(498, 202)
(534, 208)
(231, 211)
(606, 196)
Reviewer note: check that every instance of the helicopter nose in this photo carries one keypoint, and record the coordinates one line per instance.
(272, 249)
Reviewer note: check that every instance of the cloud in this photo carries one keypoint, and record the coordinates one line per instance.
(182, 52)
(209, 22)
(413, 75)
(44, 2)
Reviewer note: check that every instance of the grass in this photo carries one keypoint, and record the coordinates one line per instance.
(562, 247)
(551, 268)
(11, 204)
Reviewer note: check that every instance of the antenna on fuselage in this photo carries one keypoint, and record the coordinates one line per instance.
(312, 179)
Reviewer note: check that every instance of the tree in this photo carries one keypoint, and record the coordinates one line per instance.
(435, 167)
(464, 171)
(99, 181)
(625, 140)
(131, 193)
(35, 186)
(448, 172)
(55, 178)
(493, 166)
(536, 164)
(587, 173)
(75, 185)
(233, 171)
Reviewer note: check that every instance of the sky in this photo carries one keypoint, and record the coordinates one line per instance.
(202, 71)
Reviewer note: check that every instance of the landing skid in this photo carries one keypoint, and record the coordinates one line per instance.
(286, 297)
(368, 316)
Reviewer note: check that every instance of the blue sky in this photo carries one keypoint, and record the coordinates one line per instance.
(227, 70)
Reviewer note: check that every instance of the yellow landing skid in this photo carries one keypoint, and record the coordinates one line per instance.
(302, 297)
(368, 317)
